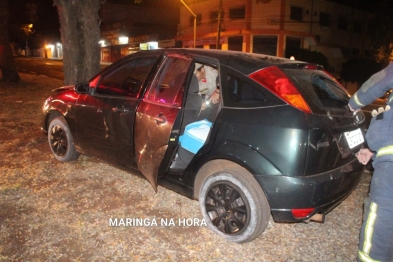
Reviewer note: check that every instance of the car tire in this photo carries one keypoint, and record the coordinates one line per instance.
(232, 202)
(60, 140)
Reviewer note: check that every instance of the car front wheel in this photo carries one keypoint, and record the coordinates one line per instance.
(60, 140)
(232, 202)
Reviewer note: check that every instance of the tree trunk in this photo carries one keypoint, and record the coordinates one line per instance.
(80, 34)
(7, 62)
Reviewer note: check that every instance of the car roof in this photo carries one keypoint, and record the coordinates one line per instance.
(243, 62)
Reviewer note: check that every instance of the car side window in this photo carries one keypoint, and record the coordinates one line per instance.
(168, 83)
(126, 80)
(242, 92)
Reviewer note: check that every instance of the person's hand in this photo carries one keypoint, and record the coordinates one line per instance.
(203, 105)
(380, 110)
(353, 110)
(364, 155)
(215, 97)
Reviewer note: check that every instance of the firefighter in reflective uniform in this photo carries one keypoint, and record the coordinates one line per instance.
(376, 234)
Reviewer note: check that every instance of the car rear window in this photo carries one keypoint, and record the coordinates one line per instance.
(321, 91)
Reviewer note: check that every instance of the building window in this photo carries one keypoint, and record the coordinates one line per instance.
(324, 19)
(198, 20)
(296, 13)
(292, 46)
(237, 13)
(357, 27)
(235, 43)
(342, 23)
(262, 44)
(214, 17)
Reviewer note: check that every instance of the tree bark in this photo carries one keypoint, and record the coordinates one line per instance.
(7, 62)
(80, 34)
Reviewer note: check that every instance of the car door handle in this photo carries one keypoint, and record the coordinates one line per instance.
(120, 109)
(160, 119)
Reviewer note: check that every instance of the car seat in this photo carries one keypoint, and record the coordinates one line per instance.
(193, 104)
(192, 109)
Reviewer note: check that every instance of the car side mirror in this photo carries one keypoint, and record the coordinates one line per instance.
(82, 88)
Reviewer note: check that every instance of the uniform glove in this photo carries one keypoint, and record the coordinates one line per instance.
(380, 110)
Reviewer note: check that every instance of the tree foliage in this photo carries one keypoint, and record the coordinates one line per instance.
(7, 62)
(381, 33)
(359, 69)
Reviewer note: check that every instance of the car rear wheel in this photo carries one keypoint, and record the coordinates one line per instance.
(60, 140)
(232, 202)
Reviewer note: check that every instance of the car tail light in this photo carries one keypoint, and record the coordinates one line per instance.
(276, 81)
(302, 212)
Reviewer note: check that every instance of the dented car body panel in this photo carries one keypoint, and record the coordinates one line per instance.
(132, 115)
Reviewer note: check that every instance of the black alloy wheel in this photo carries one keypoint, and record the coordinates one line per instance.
(58, 140)
(232, 202)
(227, 208)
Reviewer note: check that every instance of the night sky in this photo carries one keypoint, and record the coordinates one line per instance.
(43, 15)
(45, 19)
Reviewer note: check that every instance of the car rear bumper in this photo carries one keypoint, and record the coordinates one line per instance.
(322, 191)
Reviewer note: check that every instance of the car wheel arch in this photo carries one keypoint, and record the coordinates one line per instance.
(207, 167)
(256, 163)
(50, 116)
(225, 173)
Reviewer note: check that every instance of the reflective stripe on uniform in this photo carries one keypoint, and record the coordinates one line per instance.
(366, 258)
(356, 99)
(364, 254)
(387, 150)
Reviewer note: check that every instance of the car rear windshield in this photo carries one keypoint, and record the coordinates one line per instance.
(321, 91)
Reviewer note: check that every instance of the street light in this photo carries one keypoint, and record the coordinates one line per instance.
(194, 21)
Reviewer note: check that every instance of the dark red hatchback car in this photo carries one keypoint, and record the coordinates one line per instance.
(250, 136)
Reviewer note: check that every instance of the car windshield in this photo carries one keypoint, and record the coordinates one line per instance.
(321, 92)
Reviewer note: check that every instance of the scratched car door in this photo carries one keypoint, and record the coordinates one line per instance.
(105, 119)
(157, 113)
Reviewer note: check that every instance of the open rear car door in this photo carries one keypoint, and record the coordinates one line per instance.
(157, 113)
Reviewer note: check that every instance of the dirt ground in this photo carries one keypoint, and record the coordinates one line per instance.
(52, 211)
